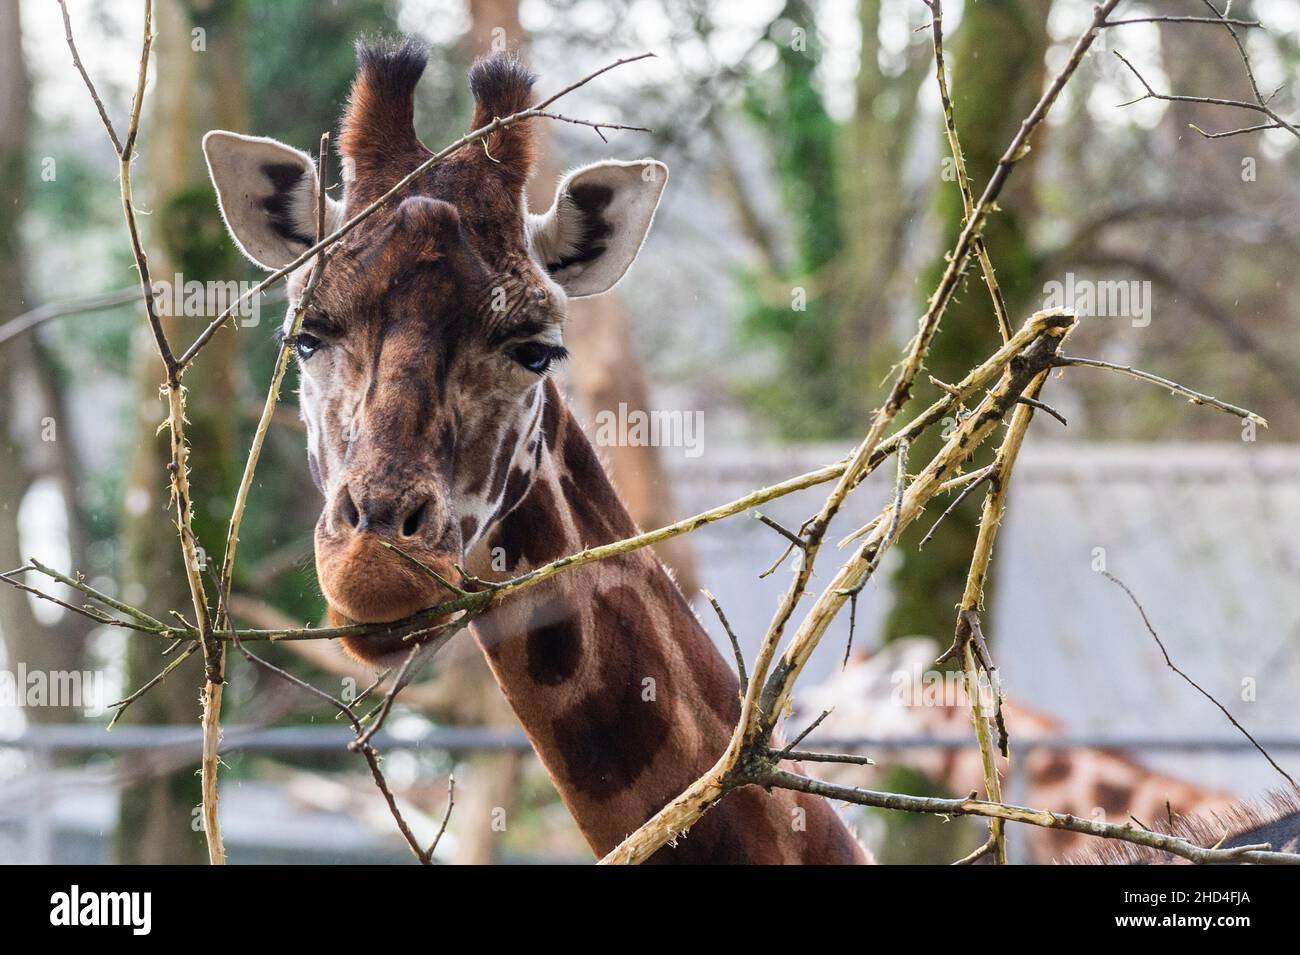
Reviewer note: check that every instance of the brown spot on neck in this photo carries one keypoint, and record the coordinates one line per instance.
(554, 641)
(573, 657)
(609, 737)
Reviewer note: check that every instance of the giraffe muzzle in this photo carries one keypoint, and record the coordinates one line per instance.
(382, 557)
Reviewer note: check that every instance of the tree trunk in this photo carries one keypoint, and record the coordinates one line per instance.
(997, 75)
(30, 431)
(876, 207)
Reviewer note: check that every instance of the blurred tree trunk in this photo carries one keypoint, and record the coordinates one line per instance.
(24, 449)
(876, 211)
(604, 371)
(17, 623)
(198, 84)
(997, 68)
(796, 312)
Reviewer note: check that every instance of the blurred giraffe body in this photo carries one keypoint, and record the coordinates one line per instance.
(896, 693)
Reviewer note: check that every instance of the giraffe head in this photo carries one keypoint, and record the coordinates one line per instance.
(425, 349)
(878, 693)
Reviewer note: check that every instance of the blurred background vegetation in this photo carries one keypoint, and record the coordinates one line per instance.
(806, 222)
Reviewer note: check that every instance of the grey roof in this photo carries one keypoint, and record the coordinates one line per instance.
(1204, 534)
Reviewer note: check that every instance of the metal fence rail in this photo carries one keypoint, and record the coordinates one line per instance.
(43, 743)
(74, 737)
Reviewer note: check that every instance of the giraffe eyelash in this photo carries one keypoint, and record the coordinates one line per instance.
(537, 356)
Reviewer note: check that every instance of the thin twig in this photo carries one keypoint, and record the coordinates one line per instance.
(811, 756)
(794, 539)
(1043, 406)
(1234, 22)
(426, 569)
(1192, 683)
(891, 534)
(784, 754)
(989, 846)
(979, 478)
(1258, 854)
(1195, 397)
(446, 816)
(367, 751)
(90, 86)
(87, 611)
(1259, 106)
(731, 635)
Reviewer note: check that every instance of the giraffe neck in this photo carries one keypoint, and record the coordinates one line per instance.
(621, 692)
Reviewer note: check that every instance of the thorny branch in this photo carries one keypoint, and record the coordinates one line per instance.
(969, 637)
(1257, 854)
(178, 468)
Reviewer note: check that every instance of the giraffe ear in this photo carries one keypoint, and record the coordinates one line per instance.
(267, 193)
(602, 213)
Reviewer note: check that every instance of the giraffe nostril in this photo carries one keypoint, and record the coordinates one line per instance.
(348, 509)
(415, 520)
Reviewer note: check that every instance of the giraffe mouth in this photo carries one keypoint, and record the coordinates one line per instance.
(387, 647)
(366, 582)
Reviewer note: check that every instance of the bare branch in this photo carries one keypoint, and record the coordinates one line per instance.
(1192, 683)
(90, 86)
(731, 635)
(1215, 20)
(1195, 397)
(1258, 854)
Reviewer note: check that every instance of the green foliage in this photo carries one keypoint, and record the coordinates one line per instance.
(300, 63)
(795, 314)
(195, 238)
(919, 838)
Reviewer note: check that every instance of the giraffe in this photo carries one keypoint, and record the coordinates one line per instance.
(432, 424)
(1273, 820)
(887, 694)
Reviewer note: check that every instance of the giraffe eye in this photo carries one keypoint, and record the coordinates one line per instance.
(305, 345)
(538, 356)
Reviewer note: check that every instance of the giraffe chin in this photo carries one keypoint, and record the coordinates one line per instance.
(366, 582)
(382, 649)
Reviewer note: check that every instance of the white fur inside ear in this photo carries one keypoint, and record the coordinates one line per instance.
(602, 213)
(267, 193)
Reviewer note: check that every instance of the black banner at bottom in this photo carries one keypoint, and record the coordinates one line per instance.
(330, 904)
